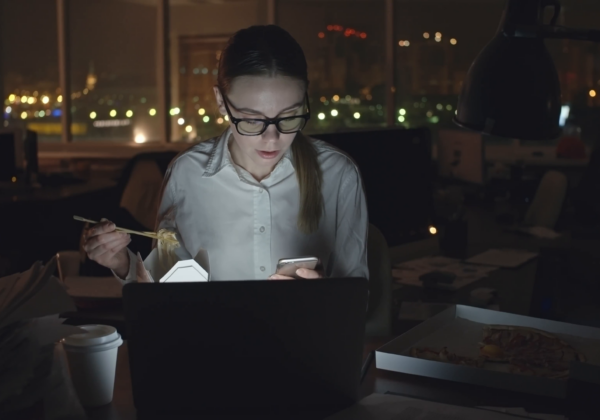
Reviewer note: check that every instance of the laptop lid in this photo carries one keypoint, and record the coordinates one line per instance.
(246, 347)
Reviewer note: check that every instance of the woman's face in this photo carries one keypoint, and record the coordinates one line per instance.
(262, 97)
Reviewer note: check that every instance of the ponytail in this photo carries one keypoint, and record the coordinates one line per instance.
(310, 182)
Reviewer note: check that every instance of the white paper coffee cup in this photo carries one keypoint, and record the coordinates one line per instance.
(92, 358)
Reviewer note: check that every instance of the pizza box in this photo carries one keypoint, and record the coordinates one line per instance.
(460, 328)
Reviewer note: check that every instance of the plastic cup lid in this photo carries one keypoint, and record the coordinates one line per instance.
(94, 335)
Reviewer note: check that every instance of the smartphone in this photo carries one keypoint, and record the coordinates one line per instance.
(288, 266)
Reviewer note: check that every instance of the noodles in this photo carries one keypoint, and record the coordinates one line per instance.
(167, 243)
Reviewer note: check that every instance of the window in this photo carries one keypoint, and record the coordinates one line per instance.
(29, 67)
(113, 70)
(344, 45)
(199, 32)
(435, 44)
(578, 65)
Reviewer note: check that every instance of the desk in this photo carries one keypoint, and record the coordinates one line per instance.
(515, 289)
(380, 381)
(514, 286)
(55, 193)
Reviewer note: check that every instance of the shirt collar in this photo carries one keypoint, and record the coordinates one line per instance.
(220, 156)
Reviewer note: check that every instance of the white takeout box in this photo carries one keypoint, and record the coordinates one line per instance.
(185, 270)
(394, 355)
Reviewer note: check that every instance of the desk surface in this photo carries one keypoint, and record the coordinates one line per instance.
(514, 286)
(515, 290)
(379, 381)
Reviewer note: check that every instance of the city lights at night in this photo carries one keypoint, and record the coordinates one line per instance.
(344, 90)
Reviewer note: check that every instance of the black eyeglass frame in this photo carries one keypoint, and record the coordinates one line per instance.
(267, 121)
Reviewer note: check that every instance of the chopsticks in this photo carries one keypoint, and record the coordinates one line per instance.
(118, 229)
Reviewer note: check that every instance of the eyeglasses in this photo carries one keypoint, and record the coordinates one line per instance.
(257, 126)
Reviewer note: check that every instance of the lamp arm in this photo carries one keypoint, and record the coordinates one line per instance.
(551, 31)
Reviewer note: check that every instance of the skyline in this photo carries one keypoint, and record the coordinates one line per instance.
(346, 62)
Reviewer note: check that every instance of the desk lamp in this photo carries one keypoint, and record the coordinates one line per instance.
(512, 88)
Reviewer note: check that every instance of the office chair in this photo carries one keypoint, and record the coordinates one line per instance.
(547, 204)
(379, 313)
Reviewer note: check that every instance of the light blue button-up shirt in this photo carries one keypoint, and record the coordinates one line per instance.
(246, 226)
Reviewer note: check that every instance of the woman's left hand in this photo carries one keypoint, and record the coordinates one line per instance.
(305, 273)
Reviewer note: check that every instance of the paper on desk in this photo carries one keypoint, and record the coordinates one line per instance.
(539, 232)
(60, 400)
(26, 350)
(18, 288)
(6, 285)
(394, 407)
(29, 327)
(507, 258)
(34, 293)
(408, 273)
(51, 299)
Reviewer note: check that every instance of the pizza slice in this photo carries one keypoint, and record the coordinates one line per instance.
(528, 351)
(444, 355)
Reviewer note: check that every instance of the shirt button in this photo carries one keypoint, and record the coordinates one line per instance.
(262, 229)
(260, 190)
(262, 268)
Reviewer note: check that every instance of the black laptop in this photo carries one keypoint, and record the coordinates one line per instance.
(282, 349)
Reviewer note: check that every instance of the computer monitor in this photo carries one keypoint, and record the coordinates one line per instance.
(396, 169)
(461, 156)
(12, 155)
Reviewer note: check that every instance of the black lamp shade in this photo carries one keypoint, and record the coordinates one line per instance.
(512, 90)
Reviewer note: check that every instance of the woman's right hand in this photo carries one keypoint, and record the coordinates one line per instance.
(108, 247)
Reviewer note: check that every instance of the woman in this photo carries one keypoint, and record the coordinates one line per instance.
(261, 191)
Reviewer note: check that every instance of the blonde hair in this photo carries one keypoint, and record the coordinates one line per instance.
(310, 182)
